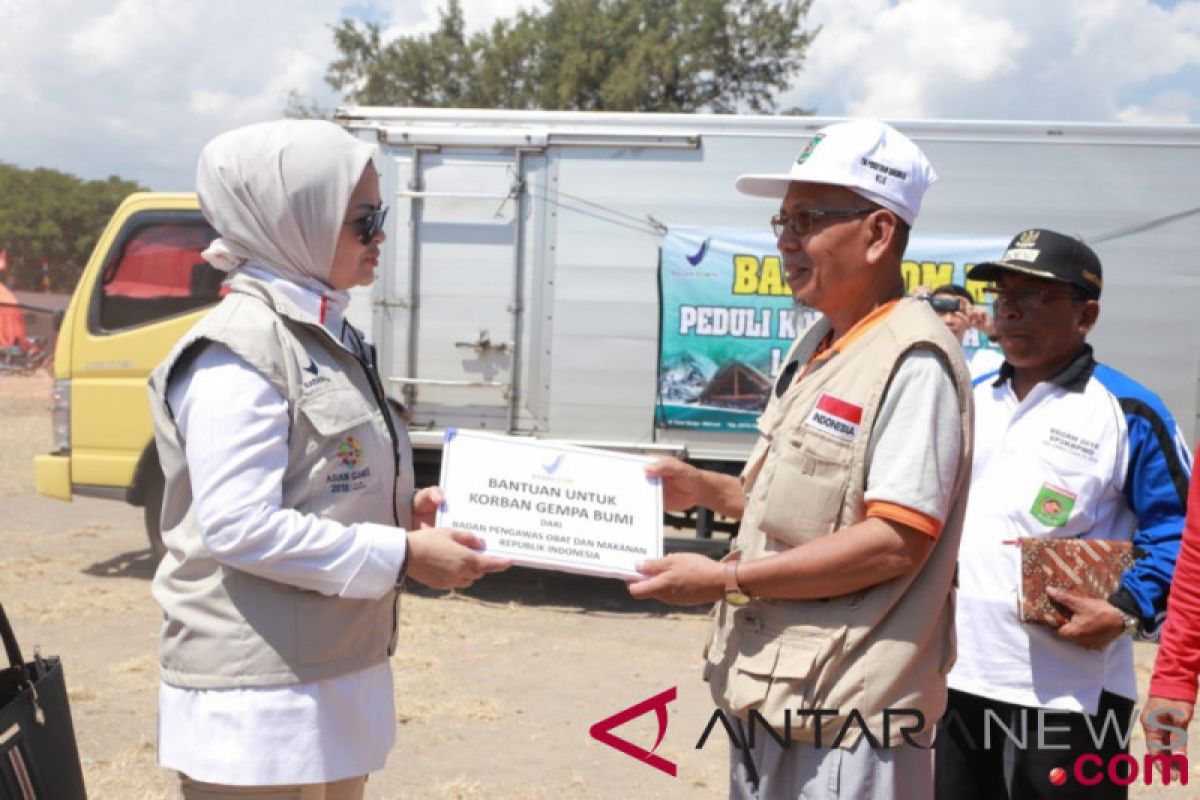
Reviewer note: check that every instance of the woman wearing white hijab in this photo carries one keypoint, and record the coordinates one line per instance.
(289, 513)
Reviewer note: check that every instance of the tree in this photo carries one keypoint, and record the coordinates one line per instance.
(612, 55)
(301, 107)
(52, 217)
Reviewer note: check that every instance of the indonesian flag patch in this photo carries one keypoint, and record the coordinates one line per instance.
(836, 417)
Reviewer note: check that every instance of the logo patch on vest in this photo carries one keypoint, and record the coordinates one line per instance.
(349, 452)
(836, 417)
(345, 473)
(315, 371)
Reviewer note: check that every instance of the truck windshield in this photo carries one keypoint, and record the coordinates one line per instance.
(157, 272)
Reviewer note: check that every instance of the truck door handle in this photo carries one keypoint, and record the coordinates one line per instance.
(484, 344)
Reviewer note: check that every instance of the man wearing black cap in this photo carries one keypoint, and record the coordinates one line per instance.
(1064, 447)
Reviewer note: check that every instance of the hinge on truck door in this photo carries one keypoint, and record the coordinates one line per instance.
(514, 193)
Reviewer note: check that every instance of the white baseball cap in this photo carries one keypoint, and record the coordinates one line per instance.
(872, 159)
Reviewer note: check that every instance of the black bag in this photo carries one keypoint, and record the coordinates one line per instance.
(38, 757)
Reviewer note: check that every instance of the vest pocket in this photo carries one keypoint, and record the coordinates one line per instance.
(336, 410)
(804, 498)
(760, 671)
(341, 457)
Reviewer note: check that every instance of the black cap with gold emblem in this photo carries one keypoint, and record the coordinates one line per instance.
(1047, 254)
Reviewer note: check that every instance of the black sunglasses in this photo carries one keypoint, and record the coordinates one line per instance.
(369, 226)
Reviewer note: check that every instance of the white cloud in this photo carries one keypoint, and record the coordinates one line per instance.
(1132, 40)
(892, 60)
(996, 59)
(135, 87)
(207, 103)
(421, 16)
(1173, 107)
(9, 8)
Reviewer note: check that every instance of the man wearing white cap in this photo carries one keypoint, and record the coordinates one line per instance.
(834, 627)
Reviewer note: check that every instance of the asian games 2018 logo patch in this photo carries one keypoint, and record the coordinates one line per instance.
(349, 453)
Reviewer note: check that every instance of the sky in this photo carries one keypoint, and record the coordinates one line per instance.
(136, 87)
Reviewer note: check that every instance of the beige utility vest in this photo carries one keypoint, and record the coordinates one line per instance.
(224, 627)
(885, 647)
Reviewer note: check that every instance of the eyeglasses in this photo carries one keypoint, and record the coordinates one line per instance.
(1028, 299)
(369, 226)
(801, 222)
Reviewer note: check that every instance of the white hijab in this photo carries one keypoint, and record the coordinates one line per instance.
(276, 193)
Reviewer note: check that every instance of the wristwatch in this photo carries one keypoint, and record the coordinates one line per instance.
(733, 593)
(1131, 623)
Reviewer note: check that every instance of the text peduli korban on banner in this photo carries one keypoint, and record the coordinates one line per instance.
(728, 318)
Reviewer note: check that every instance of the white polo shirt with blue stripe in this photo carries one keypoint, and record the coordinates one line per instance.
(1089, 454)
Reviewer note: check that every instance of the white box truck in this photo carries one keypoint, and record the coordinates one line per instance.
(522, 286)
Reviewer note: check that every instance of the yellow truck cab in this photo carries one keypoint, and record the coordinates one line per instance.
(143, 287)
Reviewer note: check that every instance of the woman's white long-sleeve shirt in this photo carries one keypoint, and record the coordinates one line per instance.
(235, 427)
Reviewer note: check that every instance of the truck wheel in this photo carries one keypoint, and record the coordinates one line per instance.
(152, 512)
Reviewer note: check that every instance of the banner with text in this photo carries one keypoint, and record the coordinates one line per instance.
(728, 318)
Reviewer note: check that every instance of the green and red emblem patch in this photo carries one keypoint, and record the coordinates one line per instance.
(1052, 506)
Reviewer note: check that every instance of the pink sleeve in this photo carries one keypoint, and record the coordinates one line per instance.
(1178, 663)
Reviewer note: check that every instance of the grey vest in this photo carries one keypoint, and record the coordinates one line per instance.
(224, 627)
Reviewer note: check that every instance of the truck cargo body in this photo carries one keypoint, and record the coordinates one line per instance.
(519, 289)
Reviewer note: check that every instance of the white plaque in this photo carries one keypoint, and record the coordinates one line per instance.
(550, 505)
